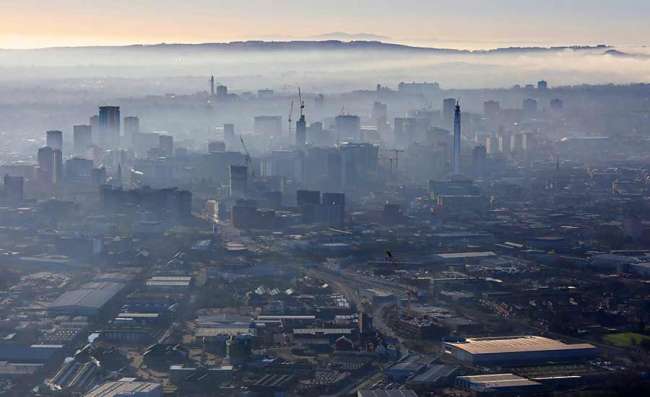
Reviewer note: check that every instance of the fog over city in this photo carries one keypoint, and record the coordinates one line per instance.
(306, 198)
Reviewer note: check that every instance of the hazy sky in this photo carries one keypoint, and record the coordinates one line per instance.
(460, 23)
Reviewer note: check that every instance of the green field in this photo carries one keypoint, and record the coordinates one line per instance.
(625, 339)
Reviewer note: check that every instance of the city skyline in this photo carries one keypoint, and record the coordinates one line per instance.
(458, 24)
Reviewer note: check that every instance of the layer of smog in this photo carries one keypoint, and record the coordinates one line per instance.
(324, 218)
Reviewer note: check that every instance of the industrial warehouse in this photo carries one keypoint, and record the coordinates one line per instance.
(517, 350)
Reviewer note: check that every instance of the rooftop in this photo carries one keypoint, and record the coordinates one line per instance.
(91, 295)
(387, 393)
(497, 381)
(514, 344)
(124, 388)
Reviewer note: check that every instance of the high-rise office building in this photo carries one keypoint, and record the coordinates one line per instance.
(455, 154)
(58, 166)
(222, 91)
(14, 188)
(50, 165)
(315, 134)
(78, 170)
(109, 126)
(229, 135)
(348, 128)
(309, 203)
(334, 205)
(301, 132)
(542, 85)
(93, 121)
(82, 138)
(238, 181)
(448, 107)
(54, 139)
(380, 115)
(131, 129)
(46, 165)
(479, 159)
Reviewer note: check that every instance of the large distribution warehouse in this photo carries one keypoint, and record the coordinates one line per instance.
(517, 350)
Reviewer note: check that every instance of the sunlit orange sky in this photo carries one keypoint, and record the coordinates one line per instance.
(452, 23)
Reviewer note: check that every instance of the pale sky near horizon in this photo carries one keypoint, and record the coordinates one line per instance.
(452, 23)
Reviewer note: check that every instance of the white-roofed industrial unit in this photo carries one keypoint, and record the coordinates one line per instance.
(498, 383)
(126, 388)
(518, 349)
(386, 393)
(169, 282)
(87, 300)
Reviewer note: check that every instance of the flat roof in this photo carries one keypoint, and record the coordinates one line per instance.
(171, 278)
(168, 283)
(138, 315)
(497, 381)
(461, 255)
(204, 332)
(91, 295)
(514, 344)
(285, 317)
(123, 388)
(324, 331)
(387, 393)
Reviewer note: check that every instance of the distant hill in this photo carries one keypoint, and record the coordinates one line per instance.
(343, 36)
(303, 45)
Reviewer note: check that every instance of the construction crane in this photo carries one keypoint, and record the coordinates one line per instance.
(302, 103)
(290, 116)
(247, 156)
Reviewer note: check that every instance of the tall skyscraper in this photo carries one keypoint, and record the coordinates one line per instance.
(211, 85)
(455, 154)
(50, 166)
(380, 115)
(131, 129)
(46, 165)
(109, 126)
(82, 138)
(448, 106)
(348, 128)
(54, 139)
(58, 166)
(229, 136)
(479, 158)
(238, 179)
(301, 131)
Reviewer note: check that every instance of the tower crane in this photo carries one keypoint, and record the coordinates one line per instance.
(247, 156)
(290, 116)
(302, 103)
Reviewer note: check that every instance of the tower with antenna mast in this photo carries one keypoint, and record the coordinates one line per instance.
(455, 154)
(301, 124)
(212, 85)
(290, 118)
